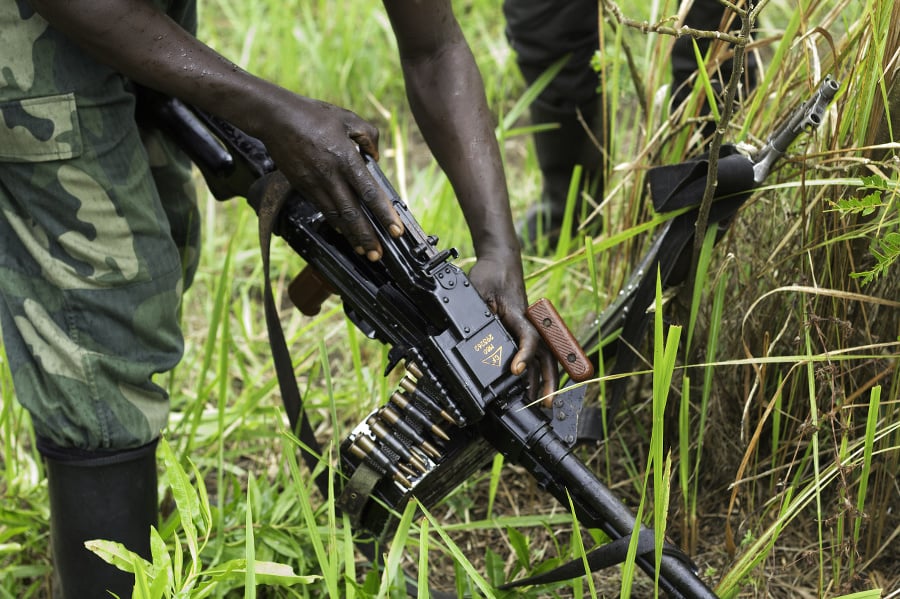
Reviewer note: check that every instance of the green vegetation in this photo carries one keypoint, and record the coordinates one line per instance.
(766, 443)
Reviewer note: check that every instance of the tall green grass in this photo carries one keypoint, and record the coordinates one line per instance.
(767, 445)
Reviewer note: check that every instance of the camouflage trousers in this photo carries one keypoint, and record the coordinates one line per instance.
(98, 238)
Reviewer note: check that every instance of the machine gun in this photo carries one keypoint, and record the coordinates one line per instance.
(460, 404)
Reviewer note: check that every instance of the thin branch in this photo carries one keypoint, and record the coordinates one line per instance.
(737, 71)
(662, 27)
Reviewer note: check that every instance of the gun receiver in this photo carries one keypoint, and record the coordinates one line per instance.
(460, 404)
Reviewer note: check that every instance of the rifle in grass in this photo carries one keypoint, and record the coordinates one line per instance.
(619, 331)
(458, 404)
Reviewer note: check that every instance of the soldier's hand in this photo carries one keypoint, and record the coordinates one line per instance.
(317, 146)
(498, 278)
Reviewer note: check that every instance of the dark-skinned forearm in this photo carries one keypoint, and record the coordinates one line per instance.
(316, 145)
(454, 118)
(145, 45)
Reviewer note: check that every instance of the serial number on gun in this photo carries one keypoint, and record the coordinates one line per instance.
(486, 345)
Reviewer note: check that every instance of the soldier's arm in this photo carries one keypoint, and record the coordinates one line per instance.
(447, 96)
(313, 143)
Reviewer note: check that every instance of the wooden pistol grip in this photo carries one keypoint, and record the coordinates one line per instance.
(308, 290)
(562, 342)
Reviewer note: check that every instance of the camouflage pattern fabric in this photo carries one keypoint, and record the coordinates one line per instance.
(99, 235)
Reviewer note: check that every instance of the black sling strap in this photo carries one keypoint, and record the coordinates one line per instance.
(672, 187)
(275, 191)
(605, 556)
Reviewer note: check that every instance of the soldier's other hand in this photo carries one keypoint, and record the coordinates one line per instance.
(498, 278)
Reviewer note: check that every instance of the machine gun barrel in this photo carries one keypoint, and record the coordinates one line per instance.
(527, 439)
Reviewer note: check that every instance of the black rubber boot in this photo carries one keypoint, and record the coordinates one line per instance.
(96, 495)
(558, 151)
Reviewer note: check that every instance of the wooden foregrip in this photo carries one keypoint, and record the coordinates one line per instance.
(562, 343)
(308, 290)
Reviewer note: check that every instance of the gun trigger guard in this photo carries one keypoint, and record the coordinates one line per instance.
(565, 412)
